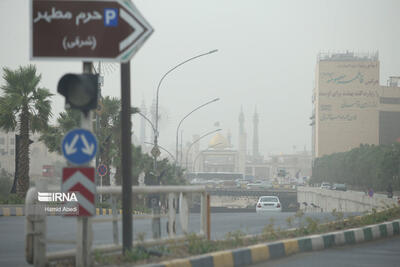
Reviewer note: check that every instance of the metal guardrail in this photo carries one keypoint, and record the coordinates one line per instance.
(36, 240)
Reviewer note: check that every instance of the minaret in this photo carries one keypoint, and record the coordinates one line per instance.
(256, 153)
(143, 122)
(242, 144)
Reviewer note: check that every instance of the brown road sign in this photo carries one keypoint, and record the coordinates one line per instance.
(155, 151)
(87, 30)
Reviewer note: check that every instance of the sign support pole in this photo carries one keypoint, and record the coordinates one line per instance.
(84, 224)
(126, 157)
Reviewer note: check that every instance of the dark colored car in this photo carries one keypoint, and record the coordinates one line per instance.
(339, 187)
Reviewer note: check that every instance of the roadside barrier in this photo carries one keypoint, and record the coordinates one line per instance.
(36, 240)
(274, 250)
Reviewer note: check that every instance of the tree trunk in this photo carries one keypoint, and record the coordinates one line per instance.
(23, 155)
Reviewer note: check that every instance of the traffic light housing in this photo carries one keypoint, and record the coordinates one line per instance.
(80, 90)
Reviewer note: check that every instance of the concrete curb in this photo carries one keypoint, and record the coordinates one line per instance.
(12, 211)
(274, 250)
(20, 211)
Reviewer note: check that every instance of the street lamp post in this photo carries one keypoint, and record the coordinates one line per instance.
(162, 79)
(155, 134)
(169, 153)
(155, 221)
(148, 120)
(197, 140)
(168, 72)
(179, 125)
(155, 150)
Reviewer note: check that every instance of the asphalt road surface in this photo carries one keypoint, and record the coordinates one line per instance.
(379, 253)
(12, 230)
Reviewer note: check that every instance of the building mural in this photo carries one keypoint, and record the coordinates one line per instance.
(348, 103)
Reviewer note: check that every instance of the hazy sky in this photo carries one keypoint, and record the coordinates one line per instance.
(266, 59)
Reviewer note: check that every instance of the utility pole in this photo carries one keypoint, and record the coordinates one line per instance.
(126, 157)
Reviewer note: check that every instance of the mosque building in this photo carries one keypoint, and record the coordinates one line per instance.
(221, 159)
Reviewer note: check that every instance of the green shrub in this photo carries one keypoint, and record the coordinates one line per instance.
(199, 245)
(235, 237)
(136, 254)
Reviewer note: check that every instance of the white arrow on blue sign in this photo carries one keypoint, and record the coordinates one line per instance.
(79, 146)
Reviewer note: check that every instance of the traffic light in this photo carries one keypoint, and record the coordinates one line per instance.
(80, 90)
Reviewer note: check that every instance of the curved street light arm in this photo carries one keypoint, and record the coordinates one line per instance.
(172, 69)
(149, 121)
(197, 140)
(187, 115)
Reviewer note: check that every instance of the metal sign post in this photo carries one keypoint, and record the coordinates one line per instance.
(84, 232)
(101, 172)
(126, 157)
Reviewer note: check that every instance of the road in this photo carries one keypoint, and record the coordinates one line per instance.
(384, 252)
(12, 230)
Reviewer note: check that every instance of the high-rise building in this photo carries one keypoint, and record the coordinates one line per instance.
(350, 107)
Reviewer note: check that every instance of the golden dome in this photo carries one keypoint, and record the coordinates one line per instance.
(218, 141)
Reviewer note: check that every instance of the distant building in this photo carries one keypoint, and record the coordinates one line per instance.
(39, 155)
(218, 157)
(350, 107)
(221, 160)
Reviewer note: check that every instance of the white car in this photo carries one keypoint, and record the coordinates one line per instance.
(325, 186)
(268, 203)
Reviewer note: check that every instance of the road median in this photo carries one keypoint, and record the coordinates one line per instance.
(283, 248)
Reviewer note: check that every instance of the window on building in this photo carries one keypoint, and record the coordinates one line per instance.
(11, 152)
(12, 140)
(2, 140)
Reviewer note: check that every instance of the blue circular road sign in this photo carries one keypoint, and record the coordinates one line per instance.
(79, 146)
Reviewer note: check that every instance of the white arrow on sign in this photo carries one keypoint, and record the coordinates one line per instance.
(88, 149)
(138, 29)
(70, 148)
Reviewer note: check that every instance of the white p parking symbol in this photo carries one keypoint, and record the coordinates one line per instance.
(111, 17)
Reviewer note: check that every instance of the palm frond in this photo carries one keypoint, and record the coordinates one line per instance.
(8, 112)
(21, 90)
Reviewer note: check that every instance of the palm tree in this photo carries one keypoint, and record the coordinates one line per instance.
(109, 133)
(25, 106)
